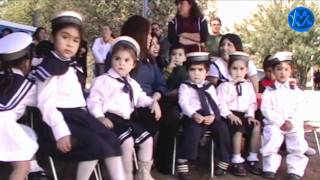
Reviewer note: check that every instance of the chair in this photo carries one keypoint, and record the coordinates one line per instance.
(206, 134)
(315, 130)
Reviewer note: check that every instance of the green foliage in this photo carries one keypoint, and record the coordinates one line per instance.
(267, 32)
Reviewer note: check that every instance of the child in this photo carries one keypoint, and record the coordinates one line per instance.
(18, 143)
(280, 107)
(239, 104)
(199, 115)
(70, 132)
(177, 58)
(268, 79)
(113, 97)
(175, 73)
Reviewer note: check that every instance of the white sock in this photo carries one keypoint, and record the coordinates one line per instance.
(253, 157)
(115, 168)
(127, 148)
(85, 169)
(146, 150)
(34, 166)
(236, 158)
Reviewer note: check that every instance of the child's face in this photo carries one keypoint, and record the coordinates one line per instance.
(66, 42)
(197, 73)
(226, 48)
(238, 70)
(282, 72)
(268, 73)
(123, 62)
(154, 48)
(178, 56)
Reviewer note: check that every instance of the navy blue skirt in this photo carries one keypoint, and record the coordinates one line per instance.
(90, 139)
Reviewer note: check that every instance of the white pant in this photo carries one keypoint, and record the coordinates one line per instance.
(296, 147)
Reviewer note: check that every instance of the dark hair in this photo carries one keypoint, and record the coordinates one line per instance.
(138, 28)
(176, 46)
(155, 23)
(58, 27)
(266, 62)
(274, 64)
(235, 39)
(7, 29)
(8, 79)
(194, 11)
(44, 47)
(124, 47)
(206, 64)
(216, 19)
(153, 35)
(37, 32)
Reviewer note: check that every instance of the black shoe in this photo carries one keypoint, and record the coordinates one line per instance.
(221, 169)
(269, 175)
(238, 169)
(254, 167)
(39, 175)
(220, 172)
(292, 176)
(183, 171)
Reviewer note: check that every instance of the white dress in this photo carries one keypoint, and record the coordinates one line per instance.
(17, 142)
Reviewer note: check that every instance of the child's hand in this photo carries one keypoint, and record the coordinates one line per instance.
(106, 122)
(209, 119)
(172, 63)
(253, 121)
(286, 126)
(64, 144)
(234, 119)
(198, 118)
(155, 108)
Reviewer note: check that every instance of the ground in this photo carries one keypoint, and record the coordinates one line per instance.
(66, 171)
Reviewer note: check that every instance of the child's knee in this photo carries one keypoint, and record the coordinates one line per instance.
(147, 143)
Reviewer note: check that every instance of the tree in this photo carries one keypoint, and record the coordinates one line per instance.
(267, 32)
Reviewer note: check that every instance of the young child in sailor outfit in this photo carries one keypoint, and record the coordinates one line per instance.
(200, 106)
(112, 100)
(69, 131)
(18, 143)
(280, 107)
(239, 104)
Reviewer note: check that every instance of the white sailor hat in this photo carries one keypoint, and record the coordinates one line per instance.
(14, 46)
(194, 57)
(127, 41)
(280, 57)
(238, 55)
(66, 17)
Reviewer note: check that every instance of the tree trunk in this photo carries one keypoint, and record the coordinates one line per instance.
(36, 18)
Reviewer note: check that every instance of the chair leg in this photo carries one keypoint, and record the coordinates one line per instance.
(135, 160)
(317, 140)
(99, 171)
(212, 158)
(173, 168)
(96, 175)
(53, 169)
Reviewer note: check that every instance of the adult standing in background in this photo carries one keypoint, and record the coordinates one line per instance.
(214, 38)
(100, 49)
(188, 27)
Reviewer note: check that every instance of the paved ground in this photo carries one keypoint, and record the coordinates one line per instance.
(66, 171)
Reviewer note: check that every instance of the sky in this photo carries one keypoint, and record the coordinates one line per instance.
(233, 11)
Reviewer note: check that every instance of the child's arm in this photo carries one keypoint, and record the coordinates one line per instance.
(271, 114)
(98, 95)
(253, 102)
(47, 92)
(167, 71)
(222, 93)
